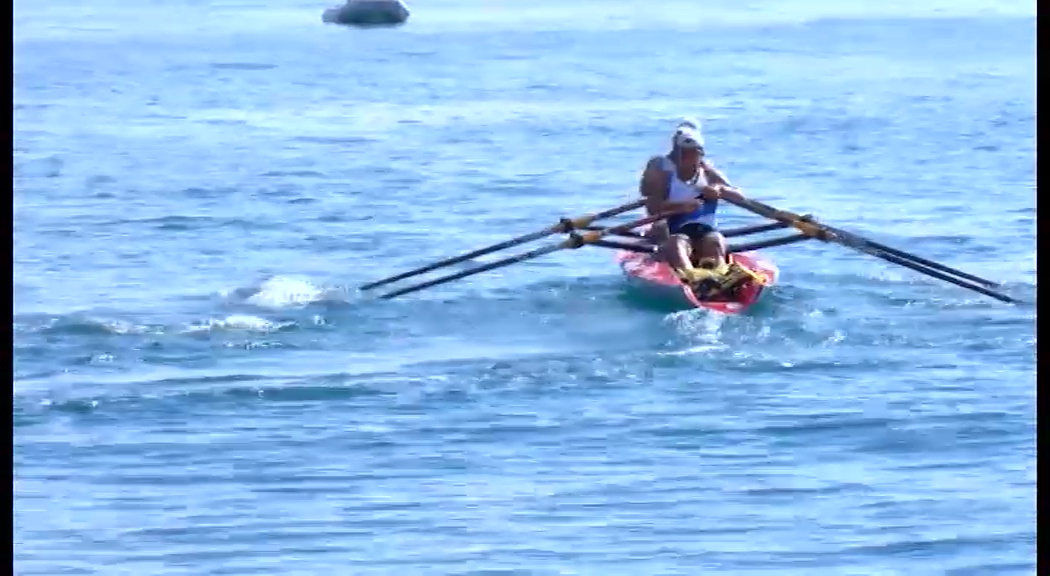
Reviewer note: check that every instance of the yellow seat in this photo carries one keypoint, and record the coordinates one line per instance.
(708, 269)
(713, 279)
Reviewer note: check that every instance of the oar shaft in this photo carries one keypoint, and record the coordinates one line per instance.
(730, 233)
(461, 258)
(854, 241)
(626, 233)
(850, 238)
(942, 276)
(476, 270)
(925, 262)
(629, 246)
(769, 243)
(830, 234)
(565, 225)
(788, 218)
(576, 241)
(745, 230)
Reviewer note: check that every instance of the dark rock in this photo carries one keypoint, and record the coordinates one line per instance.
(368, 13)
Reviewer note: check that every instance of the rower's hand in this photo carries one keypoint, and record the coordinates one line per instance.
(729, 192)
(711, 192)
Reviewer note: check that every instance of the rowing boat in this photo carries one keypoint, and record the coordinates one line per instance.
(635, 255)
(656, 278)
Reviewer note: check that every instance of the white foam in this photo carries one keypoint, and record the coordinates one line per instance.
(284, 292)
(237, 322)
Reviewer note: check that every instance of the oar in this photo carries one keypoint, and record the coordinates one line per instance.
(826, 233)
(931, 264)
(754, 229)
(730, 233)
(846, 236)
(576, 240)
(625, 233)
(629, 246)
(769, 243)
(563, 226)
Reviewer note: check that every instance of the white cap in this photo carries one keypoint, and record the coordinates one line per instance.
(688, 134)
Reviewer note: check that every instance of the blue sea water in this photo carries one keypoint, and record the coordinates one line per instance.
(200, 389)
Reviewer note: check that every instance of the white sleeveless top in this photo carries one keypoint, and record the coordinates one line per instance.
(681, 191)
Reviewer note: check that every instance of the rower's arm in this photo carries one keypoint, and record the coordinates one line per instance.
(653, 186)
(714, 175)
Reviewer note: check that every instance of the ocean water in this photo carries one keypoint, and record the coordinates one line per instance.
(199, 387)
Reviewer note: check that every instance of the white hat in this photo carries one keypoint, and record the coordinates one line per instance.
(688, 134)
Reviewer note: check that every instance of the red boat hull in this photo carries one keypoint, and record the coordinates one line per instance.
(658, 278)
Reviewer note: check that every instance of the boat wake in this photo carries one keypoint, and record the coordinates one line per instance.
(785, 317)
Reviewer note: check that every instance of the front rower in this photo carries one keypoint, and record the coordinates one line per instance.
(683, 180)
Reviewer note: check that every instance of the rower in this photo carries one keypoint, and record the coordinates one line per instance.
(684, 180)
